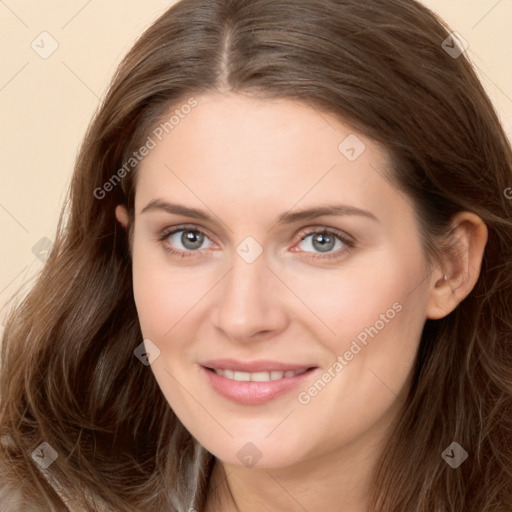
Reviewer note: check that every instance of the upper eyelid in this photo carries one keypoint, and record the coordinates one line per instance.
(166, 232)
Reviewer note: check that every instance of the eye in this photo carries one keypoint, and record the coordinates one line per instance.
(188, 241)
(328, 242)
(183, 241)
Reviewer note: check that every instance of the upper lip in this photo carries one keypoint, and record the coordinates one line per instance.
(262, 365)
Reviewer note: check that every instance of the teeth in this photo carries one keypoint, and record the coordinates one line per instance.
(257, 376)
(242, 376)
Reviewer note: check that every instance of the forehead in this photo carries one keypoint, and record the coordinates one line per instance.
(240, 152)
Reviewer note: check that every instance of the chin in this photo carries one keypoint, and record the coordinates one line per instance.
(261, 454)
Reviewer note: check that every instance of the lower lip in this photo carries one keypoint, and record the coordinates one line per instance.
(254, 393)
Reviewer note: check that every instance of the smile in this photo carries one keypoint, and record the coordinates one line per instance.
(256, 387)
(257, 376)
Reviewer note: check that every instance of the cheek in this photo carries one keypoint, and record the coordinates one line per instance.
(377, 314)
(164, 293)
(367, 375)
(152, 295)
(364, 294)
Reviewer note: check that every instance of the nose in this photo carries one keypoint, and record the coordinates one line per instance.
(251, 302)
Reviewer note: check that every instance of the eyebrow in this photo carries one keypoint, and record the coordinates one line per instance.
(288, 217)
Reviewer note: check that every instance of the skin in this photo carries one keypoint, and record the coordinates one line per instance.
(245, 161)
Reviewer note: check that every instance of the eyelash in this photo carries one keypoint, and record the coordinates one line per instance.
(350, 244)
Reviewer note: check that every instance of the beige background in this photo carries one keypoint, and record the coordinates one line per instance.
(46, 103)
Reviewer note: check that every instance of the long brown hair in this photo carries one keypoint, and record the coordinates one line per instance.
(68, 373)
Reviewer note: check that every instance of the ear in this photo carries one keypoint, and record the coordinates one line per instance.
(122, 216)
(452, 282)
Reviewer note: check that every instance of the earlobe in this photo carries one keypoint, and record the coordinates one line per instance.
(122, 215)
(452, 283)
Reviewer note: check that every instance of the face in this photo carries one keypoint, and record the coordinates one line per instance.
(250, 284)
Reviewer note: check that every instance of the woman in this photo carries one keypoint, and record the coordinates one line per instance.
(284, 279)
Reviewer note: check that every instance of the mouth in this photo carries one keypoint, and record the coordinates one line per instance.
(254, 383)
(257, 376)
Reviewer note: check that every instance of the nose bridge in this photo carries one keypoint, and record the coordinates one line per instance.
(248, 303)
(245, 285)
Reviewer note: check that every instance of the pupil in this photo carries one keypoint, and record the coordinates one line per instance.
(326, 242)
